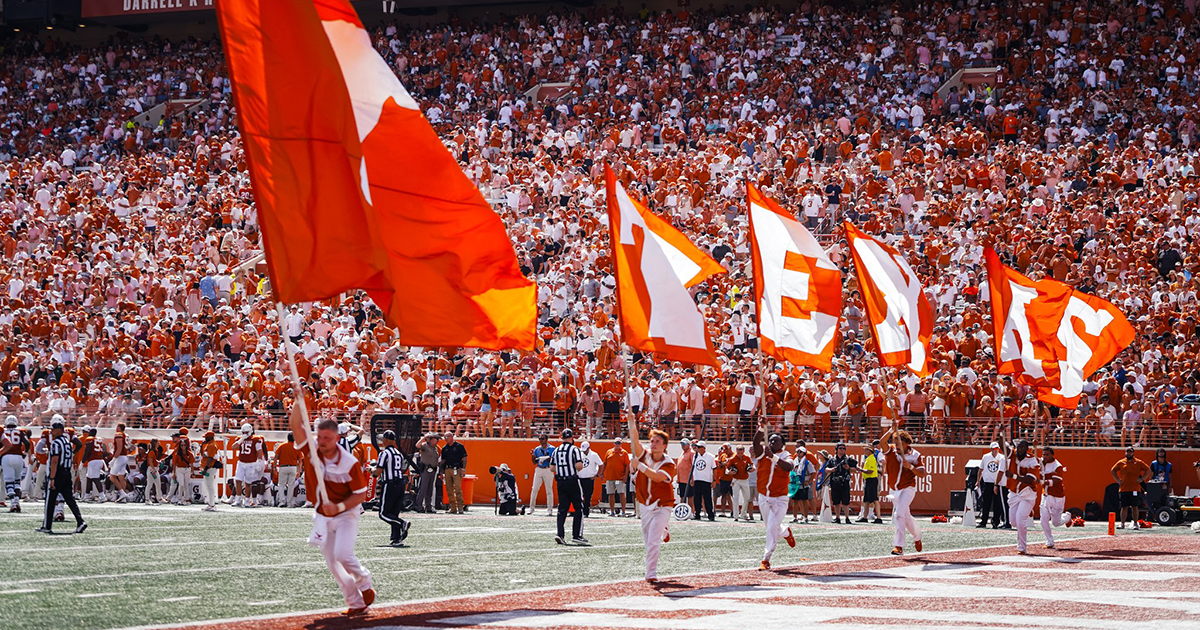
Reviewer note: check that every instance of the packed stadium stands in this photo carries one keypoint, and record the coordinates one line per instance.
(1062, 135)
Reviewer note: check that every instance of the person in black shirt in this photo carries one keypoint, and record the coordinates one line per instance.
(454, 464)
(390, 470)
(840, 468)
(567, 462)
(58, 477)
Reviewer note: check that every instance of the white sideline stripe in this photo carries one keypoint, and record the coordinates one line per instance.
(431, 600)
(400, 558)
(270, 602)
(91, 595)
(19, 591)
(174, 543)
(179, 599)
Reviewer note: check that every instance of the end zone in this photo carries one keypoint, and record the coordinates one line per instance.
(1096, 582)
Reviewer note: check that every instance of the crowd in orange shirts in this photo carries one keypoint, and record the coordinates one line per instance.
(132, 292)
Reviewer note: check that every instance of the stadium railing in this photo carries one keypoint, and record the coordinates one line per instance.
(528, 420)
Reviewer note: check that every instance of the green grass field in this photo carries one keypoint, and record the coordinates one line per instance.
(153, 565)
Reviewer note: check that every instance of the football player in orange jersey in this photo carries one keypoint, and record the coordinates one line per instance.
(12, 458)
(120, 465)
(1053, 495)
(774, 469)
(252, 458)
(655, 486)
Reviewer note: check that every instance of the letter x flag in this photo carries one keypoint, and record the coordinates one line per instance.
(797, 289)
(1049, 335)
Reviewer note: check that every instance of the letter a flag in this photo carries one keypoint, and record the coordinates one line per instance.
(354, 189)
(1049, 335)
(655, 264)
(899, 311)
(798, 290)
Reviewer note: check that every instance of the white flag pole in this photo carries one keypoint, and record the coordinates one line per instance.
(311, 437)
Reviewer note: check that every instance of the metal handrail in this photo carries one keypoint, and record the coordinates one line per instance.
(530, 420)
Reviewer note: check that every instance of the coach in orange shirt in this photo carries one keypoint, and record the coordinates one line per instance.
(1130, 473)
(287, 462)
(615, 472)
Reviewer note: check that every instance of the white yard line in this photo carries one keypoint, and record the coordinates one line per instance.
(171, 600)
(275, 616)
(94, 595)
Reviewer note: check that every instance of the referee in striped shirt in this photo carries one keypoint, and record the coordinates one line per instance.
(568, 461)
(390, 470)
(58, 477)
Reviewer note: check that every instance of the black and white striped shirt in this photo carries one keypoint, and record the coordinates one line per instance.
(565, 458)
(390, 464)
(62, 448)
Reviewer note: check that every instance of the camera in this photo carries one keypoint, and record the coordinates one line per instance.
(493, 470)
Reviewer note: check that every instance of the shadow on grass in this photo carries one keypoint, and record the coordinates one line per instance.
(429, 620)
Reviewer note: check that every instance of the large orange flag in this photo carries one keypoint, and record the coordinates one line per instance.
(355, 190)
(900, 315)
(797, 287)
(655, 264)
(1049, 335)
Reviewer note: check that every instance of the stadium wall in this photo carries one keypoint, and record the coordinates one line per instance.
(1088, 469)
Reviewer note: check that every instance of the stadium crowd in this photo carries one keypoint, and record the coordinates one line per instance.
(132, 293)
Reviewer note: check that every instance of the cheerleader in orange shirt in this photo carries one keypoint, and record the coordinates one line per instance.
(774, 469)
(1053, 495)
(654, 482)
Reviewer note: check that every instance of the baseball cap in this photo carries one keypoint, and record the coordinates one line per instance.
(701, 444)
(389, 435)
(995, 445)
(56, 423)
(567, 433)
(585, 445)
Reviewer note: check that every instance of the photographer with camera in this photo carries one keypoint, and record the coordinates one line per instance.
(506, 490)
(389, 468)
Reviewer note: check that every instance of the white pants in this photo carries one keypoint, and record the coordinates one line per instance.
(351, 576)
(654, 525)
(13, 466)
(902, 516)
(1019, 509)
(542, 476)
(1052, 515)
(741, 497)
(209, 487)
(287, 479)
(29, 485)
(774, 510)
(153, 484)
(182, 478)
